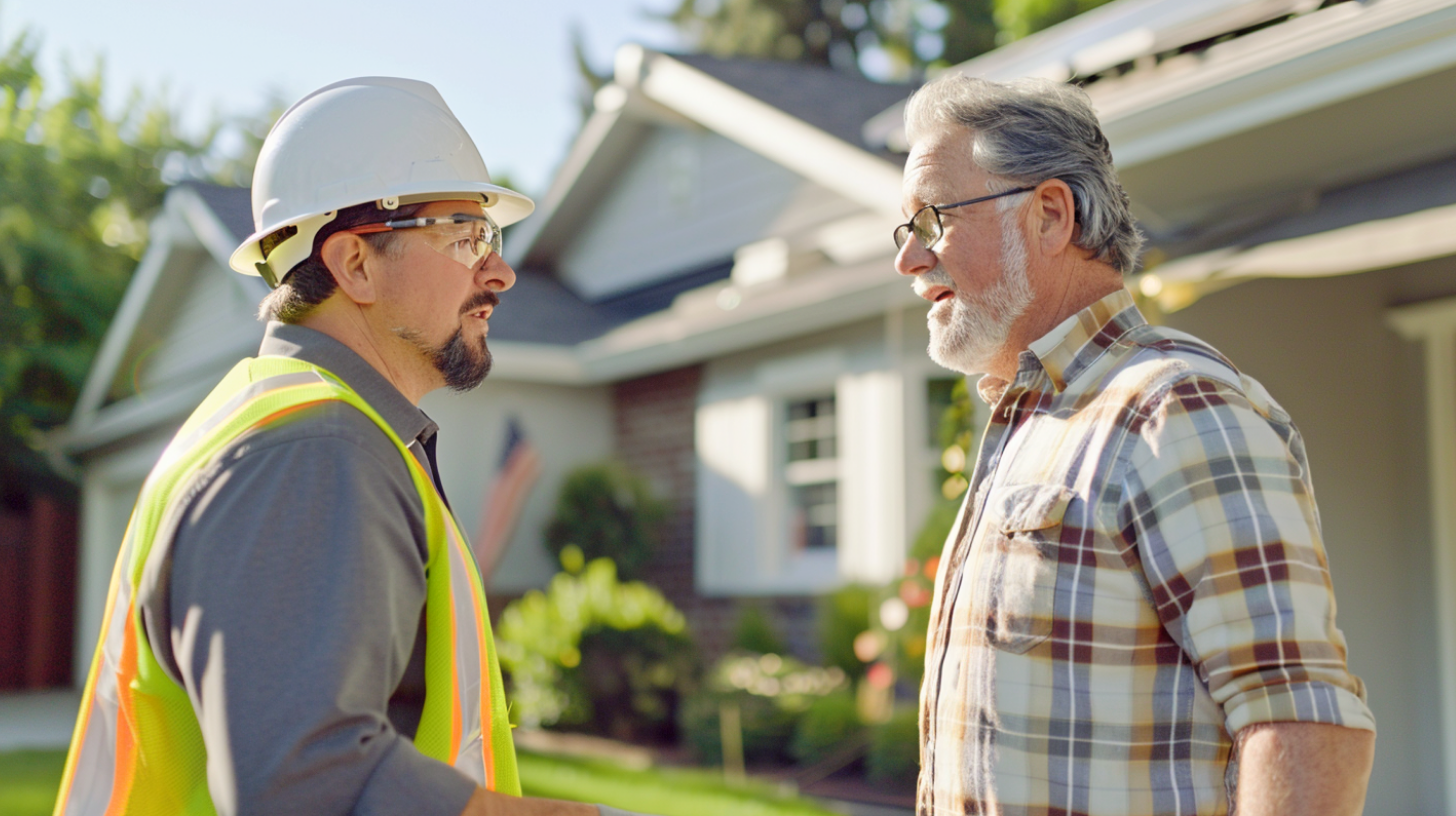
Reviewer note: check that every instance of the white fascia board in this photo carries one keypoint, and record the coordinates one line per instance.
(1305, 64)
(166, 233)
(1383, 243)
(680, 336)
(536, 363)
(851, 171)
(593, 134)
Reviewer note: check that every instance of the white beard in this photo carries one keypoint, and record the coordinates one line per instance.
(968, 335)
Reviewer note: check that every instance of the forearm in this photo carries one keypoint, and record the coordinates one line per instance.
(1294, 769)
(490, 803)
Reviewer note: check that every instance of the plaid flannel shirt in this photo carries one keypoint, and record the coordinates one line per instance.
(1136, 575)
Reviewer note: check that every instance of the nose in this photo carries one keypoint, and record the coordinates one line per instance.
(495, 274)
(914, 259)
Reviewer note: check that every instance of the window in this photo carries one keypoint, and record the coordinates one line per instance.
(812, 473)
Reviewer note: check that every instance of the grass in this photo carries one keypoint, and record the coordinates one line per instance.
(29, 779)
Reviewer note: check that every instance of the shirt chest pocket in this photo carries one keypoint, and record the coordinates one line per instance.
(1024, 525)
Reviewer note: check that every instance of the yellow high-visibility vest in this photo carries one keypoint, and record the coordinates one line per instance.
(137, 747)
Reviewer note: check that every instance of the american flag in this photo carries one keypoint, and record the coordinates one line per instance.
(520, 466)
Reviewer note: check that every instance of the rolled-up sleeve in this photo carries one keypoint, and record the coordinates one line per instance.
(295, 596)
(1217, 496)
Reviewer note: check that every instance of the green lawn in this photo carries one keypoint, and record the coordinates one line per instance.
(28, 781)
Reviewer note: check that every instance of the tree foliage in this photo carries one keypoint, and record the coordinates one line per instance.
(883, 39)
(79, 188)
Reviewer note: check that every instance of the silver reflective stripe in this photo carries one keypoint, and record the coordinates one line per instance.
(181, 445)
(469, 662)
(95, 773)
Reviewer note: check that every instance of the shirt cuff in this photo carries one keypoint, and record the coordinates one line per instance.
(1314, 702)
(407, 781)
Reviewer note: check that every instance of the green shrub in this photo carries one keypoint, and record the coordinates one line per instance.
(771, 693)
(842, 615)
(596, 653)
(609, 512)
(830, 723)
(894, 755)
(756, 632)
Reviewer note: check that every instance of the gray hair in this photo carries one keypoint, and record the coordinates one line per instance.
(1031, 130)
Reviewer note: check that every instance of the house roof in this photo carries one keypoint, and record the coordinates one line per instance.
(835, 102)
(806, 118)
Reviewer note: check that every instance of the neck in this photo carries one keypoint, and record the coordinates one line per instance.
(1061, 292)
(395, 360)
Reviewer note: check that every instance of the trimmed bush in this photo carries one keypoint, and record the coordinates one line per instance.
(771, 693)
(894, 756)
(608, 511)
(592, 652)
(830, 723)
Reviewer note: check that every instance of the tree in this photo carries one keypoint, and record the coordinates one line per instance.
(79, 188)
(883, 39)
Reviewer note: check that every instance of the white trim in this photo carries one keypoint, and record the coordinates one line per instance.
(1305, 64)
(1434, 324)
(1366, 246)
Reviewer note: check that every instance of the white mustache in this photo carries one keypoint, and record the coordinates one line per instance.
(935, 277)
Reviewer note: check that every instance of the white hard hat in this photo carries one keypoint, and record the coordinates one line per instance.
(369, 139)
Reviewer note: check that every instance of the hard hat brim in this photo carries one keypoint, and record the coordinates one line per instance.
(506, 206)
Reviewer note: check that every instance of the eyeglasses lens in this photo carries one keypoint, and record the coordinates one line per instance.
(927, 227)
(469, 240)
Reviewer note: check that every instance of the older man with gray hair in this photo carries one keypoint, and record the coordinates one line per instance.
(1133, 613)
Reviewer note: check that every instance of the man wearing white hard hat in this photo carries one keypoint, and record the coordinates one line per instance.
(296, 624)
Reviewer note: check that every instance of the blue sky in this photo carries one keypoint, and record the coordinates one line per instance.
(504, 66)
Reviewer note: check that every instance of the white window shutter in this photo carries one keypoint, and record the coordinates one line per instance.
(871, 476)
(733, 514)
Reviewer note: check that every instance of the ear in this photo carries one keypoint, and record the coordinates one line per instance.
(355, 269)
(1054, 217)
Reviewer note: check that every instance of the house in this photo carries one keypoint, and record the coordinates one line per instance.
(706, 292)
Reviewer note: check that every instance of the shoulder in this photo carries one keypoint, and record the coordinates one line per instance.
(1164, 370)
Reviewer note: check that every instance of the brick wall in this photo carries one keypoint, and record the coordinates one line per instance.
(654, 428)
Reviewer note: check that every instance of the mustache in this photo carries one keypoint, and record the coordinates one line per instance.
(935, 277)
(486, 298)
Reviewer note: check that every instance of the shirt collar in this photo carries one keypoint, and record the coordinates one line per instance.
(407, 421)
(1067, 350)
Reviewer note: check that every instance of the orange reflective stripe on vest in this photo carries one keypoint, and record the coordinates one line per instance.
(137, 748)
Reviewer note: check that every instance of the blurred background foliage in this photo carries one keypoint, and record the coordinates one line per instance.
(607, 511)
(80, 185)
(884, 40)
(596, 654)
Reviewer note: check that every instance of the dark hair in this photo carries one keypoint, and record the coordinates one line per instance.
(310, 282)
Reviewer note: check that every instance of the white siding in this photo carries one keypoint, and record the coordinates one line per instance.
(568, 426)
(210, 328)
(689, 198)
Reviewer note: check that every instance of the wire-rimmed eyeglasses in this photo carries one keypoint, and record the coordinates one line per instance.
(926, 225)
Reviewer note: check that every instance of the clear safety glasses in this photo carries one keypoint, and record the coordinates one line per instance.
(462, 237)
(926, 225)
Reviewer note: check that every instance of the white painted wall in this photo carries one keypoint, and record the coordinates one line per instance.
(569, 427)
(212, 324)
(742, 533)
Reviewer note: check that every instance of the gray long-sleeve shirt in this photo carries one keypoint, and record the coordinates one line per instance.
(292, 611)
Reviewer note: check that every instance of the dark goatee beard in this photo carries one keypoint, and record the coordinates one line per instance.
(464, 367)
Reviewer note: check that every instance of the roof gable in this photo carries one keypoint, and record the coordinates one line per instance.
(183, 311)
